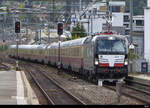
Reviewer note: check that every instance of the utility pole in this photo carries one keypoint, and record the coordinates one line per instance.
(91, 24)
(131, 33)
(40, 34)
(48, 33)
(53, 12)
(80, 5)
(88, 25)
(17, 66)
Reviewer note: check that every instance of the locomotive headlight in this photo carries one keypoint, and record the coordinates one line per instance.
(96, 62)
(111, 38)
(126, 62)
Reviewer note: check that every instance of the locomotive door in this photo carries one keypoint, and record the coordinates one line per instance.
(88, 57)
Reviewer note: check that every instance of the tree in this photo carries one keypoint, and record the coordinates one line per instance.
(78, 31)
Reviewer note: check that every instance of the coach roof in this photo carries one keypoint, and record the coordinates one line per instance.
(75, 42)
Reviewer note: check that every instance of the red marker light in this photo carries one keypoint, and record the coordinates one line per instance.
(17, 27)
(61, 27)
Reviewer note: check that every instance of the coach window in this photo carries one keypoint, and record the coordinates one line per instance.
(54, 52)
(72, 51)
(65, 51)
(69, 52)
(51, 52)
(75, 52)
(62, 51)
(78, 51)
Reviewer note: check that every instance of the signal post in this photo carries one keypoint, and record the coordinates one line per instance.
(59, 32)
(17, 30)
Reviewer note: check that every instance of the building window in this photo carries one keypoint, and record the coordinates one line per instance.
(139, 23)
(126, 25)
(84, 16)
(126, 18)
(94, 11)
(103, 8)
(127, 32)
(115, 8)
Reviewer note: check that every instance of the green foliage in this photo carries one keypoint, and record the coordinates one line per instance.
(133, 55)
(3, 47)
(21, 5)
(78, 31)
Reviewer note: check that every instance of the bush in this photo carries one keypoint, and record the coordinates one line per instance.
(78, 31)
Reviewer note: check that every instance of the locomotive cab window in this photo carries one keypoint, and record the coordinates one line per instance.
(110, 46)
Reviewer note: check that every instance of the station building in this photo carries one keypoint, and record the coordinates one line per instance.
(94, 19)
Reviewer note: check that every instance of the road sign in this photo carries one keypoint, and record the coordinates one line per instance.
(144, 67)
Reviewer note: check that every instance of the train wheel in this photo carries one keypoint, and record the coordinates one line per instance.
(69, 70)
(89, 77)
(42, 61)
(48, 63)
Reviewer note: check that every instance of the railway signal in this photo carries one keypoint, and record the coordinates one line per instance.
(17, 30)
(17, 27)
(60, 28)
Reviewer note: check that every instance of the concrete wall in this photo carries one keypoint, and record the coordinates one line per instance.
(148, 3)
(147, 34)
(97, 25)
(117, 19)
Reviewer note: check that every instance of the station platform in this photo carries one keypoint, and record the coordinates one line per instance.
(140, 76)
(15, 89)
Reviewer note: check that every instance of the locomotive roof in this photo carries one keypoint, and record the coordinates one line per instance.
(114, 35)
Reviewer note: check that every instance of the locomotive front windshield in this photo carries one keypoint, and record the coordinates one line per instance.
(110, 46)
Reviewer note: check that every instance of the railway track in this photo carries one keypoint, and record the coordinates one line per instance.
(4, 67)
(133, 92)
(55, 93)
(127, 90)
